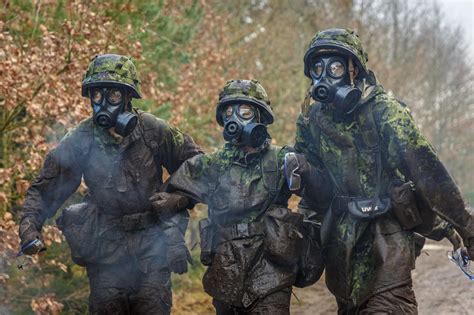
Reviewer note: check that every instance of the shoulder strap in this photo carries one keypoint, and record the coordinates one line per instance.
(271, 176)
(314, 129)
(372, 140)
(147, 124)
(270, 171)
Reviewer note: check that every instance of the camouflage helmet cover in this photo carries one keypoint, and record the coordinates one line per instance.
(111, 69)
(245, 91)
(344, 41)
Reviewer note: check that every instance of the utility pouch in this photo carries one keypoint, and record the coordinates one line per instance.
(283, 238)
(206, 233)
(80, 226)
(404, 206)
(368, 209)
(311, 265)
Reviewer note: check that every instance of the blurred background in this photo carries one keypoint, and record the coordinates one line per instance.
(185, 51)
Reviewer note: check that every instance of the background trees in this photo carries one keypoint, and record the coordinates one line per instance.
(185, 51)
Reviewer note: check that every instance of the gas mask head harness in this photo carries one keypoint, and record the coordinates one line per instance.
(111, 82)
(244, 111)
(333, 61)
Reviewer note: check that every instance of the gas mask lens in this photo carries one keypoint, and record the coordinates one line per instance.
(317, 69)
(336, 69)
(114, 96)
(96, 96)
(246, 112)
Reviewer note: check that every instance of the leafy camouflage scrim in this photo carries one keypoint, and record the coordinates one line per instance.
(247, 91)
(345, 41)
(112, 68)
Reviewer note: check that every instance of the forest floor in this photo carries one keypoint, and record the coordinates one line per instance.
(439, 285)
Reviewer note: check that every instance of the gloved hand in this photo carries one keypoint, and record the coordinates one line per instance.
(168, 203)
(178, 257)
(28, 233)
(177, 254)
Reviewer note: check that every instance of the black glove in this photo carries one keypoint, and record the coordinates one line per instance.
(28, 233)
(178, 257)
(168, 203)
(177, 254)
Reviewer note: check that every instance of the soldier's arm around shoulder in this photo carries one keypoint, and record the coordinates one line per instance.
(59, 178)
(409, 152)
(192, 178)
(170, 145)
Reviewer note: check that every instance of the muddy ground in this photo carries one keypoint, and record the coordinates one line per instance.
(440, 288)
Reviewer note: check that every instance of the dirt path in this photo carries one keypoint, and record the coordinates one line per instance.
(440, 288)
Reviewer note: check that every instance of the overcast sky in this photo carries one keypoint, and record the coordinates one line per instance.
(461, 12)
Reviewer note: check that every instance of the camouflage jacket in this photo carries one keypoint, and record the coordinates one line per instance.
(364, 257)
(234, 185)
(120, 177)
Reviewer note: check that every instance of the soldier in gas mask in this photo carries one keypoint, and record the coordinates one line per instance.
(389, 182)
(128, 238)
(250, 240)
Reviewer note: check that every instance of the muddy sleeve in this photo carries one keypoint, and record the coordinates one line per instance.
(192, 179)
(58, 179)
(410, 152)
(304, 141)
(318, 188)
(176, 147)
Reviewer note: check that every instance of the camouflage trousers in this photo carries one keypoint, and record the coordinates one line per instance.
(400, 300)
(124, 289)
(276, 303)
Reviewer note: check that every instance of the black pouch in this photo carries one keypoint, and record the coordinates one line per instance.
(404, 205)
(364, 208)
(80, 225)
(311, 265)
(283, 238)
(206, 233)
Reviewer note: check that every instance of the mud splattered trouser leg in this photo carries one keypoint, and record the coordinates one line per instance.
(400, 300)
(277, 303)
(124, 289)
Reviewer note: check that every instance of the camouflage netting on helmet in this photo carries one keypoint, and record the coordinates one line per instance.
(112, 69)
(248, 92)
(343, 41)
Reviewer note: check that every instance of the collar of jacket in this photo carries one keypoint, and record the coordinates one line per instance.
(238, 156)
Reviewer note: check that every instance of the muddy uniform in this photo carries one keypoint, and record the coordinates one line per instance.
(237, 187)
(128, 269)
(369, 258)
(118, 233)
(254, 260)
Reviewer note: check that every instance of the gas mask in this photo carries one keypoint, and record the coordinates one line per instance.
(109, 106)
(332, 83)
(241, 126)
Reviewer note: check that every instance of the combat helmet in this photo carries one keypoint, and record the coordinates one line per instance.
(338, 40)
(112, 69)
(248, 92)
